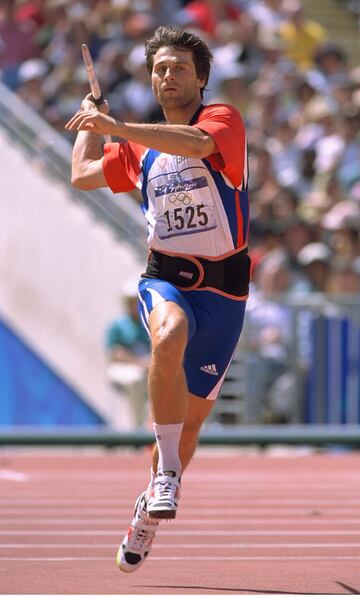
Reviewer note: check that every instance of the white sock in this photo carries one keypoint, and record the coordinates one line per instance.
(168, 439)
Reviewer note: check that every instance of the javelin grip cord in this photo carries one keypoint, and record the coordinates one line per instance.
(96, 92)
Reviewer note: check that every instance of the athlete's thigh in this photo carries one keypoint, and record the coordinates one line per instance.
(153, 293)
(209, 353)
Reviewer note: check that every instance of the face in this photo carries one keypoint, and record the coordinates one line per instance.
(273, 278)
(174, 80)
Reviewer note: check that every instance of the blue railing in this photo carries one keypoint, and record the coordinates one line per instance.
(333, 389)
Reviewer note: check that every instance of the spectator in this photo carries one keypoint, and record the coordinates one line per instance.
(298, 233)
(128, 349)
(344, 279)
(263, 113)
(286, 155)
(111, 63)
(16, 43)
(285, 204)
(267, 13)
(348, 167)
(135, 93)
(234, 45)
(276, 66)
(342, 228)
(232, 87)
(302, 36)
(206, 14)
(315, 260)
(30, 11)
(328, 145)
(268, 333)
(354, 75)
(330, 63)
(31, 76)
(303, 92)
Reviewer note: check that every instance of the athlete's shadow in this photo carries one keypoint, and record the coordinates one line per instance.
(349, 590)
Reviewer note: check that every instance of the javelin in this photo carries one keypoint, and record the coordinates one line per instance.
(96, 93)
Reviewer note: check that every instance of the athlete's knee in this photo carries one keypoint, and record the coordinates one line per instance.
(192, 426)
(169, 337)
(190, 431)
(198, 411)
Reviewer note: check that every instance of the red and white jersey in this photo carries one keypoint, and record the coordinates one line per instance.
(192, 206)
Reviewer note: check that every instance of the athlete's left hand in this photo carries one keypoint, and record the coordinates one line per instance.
(93, 121)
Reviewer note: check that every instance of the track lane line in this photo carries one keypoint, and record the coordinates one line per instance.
(310, 519)
(306, 512)
(225, 545)
(276, 502)
(191, 533)
(192, 558)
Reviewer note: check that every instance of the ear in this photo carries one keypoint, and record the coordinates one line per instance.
(201, 83)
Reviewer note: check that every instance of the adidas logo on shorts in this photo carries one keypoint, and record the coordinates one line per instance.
(210, 369)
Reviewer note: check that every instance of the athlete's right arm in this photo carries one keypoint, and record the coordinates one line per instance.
(87, 157)
(87, 162)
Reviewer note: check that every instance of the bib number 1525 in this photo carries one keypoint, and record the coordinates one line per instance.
(186, 217)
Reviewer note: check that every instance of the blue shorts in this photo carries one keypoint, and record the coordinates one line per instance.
(215, 324)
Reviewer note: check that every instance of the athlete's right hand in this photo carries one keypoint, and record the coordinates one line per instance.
(92, 120)
(88, 104)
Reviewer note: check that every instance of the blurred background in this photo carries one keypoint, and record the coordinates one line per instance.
(71, 349)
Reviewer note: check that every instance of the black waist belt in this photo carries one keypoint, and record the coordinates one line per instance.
(230, 275)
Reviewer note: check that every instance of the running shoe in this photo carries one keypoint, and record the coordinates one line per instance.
(137, 543)
(164, 496)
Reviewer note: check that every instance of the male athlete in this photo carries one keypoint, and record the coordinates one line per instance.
(192, 173)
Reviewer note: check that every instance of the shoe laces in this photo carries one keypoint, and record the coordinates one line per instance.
(140, 537)
(166, 489)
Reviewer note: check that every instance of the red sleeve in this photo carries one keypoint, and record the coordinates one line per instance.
(225, 125)
(122, 165)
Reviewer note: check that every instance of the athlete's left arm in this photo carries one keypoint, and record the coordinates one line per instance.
(224, 123)
(183, 140)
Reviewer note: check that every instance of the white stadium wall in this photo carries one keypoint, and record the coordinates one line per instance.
(61, 277)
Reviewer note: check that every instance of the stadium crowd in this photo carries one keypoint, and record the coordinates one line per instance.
(296, 91)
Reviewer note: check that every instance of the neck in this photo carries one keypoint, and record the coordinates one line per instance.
(183, 115)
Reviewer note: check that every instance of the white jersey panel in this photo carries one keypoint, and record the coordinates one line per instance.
(185, 212)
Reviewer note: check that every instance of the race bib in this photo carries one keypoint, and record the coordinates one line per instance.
(184, 207)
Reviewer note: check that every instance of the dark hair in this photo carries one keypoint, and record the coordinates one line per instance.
(181, 40)
(330, 49)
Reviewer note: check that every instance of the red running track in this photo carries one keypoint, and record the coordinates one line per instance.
(247, 524)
